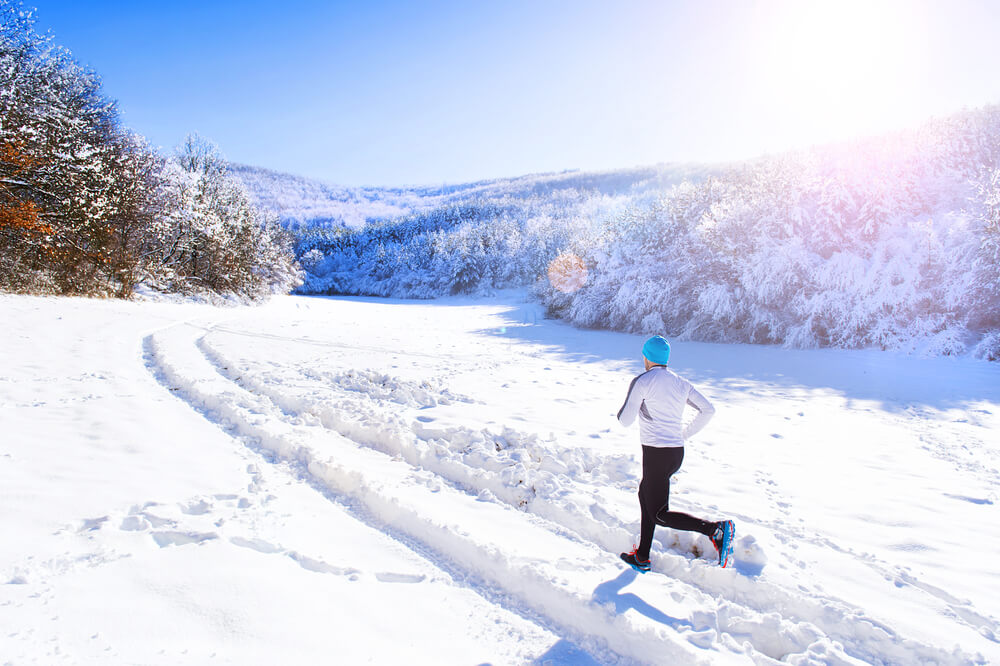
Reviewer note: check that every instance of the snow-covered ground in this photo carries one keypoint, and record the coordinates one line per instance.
(324, 480)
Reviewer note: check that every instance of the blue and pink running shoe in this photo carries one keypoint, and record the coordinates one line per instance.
(723, 541)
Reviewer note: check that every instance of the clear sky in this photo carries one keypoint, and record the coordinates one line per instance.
(393, 93)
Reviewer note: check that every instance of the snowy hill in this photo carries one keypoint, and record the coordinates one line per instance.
(302, 203)
(445, 482)
(888, 242)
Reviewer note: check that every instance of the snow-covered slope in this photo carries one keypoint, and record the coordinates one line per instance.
(302, 203)
(445, 482)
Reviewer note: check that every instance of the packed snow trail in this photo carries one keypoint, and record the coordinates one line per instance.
(794, 425)
(517, 469)
(755, 631)
(452, 524)
(167, 541)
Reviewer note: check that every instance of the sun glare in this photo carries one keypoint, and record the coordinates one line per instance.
(836, 69)
(567, 273)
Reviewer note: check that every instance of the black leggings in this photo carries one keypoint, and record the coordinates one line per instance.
(658, 465)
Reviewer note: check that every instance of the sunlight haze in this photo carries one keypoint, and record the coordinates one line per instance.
(390, 93)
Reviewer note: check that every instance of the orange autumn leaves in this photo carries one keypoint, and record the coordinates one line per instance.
(18, 216)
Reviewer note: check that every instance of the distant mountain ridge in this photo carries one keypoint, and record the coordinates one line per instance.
(302, 203)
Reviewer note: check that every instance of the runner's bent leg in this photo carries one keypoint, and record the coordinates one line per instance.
(682, 521)
(654, 490)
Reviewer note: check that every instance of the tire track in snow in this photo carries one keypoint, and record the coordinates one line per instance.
(748, 611)
(391, 494)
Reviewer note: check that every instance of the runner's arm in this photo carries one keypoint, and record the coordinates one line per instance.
(628, 412)
(705, 413)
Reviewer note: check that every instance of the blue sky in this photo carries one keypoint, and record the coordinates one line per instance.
(394, 93)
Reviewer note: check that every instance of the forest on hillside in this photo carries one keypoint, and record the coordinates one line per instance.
(890, 242)
(303, 203)
(88, 207)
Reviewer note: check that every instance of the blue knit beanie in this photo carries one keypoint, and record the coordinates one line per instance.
(657, 350)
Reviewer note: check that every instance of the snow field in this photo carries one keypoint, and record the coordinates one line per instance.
(566, 487)
(499, 471)
(136, 531)
(478, 537)
(452, 470)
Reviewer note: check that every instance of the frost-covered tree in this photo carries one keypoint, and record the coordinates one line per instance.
(987, 259)
(57, 132)
(211, 236)
(881, 243)
(76, 189)
(474, 246)
(86, 206)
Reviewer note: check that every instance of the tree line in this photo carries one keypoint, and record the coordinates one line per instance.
(891, 242)
(88, 207)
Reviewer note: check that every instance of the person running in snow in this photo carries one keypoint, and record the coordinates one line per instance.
(658, 397)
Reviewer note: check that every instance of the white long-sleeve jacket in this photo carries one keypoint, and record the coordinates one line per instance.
(658, 397)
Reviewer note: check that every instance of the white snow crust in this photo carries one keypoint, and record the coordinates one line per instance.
(369, 480)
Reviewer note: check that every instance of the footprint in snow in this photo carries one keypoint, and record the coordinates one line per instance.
(319, 566)
(156, 521)
(259, 545)
(389, 577)
(172, 538)
(910, 547)
(304, 561)
(971, 500)
(134, 524)
(92, 524)
(197, 508)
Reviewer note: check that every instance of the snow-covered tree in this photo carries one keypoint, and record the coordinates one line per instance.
(57, 135)
(887, 242)
(88, 207)
(211, 236)
(987, 258)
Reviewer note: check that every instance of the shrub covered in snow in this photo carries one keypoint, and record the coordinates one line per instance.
(988, 348)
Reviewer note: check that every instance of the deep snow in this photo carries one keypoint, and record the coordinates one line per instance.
(445, 482)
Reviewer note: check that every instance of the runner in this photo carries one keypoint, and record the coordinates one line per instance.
(658, 397)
